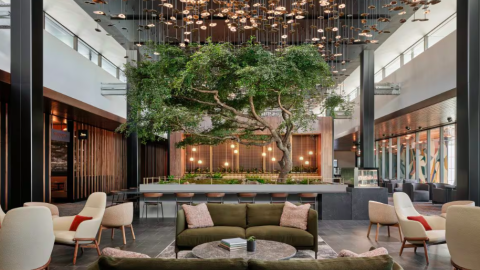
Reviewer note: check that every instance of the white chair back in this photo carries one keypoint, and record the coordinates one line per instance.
(95, 205)
(2, 215)
(403, 206)
(381, 213)
(118, 215)
(463, 235)
(26, 238)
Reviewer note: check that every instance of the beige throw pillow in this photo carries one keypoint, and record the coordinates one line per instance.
(197, 216)
(295, 216)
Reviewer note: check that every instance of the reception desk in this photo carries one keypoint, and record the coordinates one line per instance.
(335, 201)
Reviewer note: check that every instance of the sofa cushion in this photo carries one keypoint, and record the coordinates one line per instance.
(291, 236)
(195, 237)
(384, 262)
(228, 214)
(264, 214)
(108, 263)
(295, 216)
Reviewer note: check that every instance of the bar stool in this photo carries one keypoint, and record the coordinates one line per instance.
(135, 198)
(183, 198)
(156, 203)
(310, 198)
(278, 197)
(116, 200)
(246, 196)
(214, 197)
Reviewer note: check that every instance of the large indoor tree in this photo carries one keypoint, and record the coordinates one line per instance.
(220, 92)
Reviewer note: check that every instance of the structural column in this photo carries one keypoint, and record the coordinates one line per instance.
(468, 100)
(367, 113)
(25, 108)
(133, 143)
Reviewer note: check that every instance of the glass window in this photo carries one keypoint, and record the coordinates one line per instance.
(392, 67)
(418, 48)
(122, 78)
(403, 156)
(378, 76)
(353, 94)
(380, 158)
(412, 154)
(58, 31)
(434, 155)
(85, 50)
(449, 144)
(442, 31)
(386, 156)
(394, 159)
(407, 56)
(109, 67)
(422, 152)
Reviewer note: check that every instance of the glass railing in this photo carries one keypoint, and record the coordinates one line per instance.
(427, 41)
(59, 31)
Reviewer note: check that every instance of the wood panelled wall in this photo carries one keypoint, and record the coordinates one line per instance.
(99, 162)
(154, 157)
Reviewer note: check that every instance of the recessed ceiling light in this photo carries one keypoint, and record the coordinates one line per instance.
(121, 16)
(99, 12)
(98, 30)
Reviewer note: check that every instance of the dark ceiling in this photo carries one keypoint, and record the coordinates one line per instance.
(125, 31)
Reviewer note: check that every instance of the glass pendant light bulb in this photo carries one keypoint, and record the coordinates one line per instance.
(269, 149)
(310, 152)
(306, 162)
(191, 159)
(264, 154)
(235, 151)
(301, 158)
(200, 162)
(273, 159)
(194, 149)
(232, 145)
(226, 164)
(122, 16)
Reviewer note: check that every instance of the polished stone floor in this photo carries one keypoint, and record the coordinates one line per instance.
(153, 236)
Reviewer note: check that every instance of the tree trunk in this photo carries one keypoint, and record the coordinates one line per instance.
(286, 163)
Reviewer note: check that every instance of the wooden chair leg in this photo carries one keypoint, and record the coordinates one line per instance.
(415, 250)
(388, 231)
(100, 234)
(98, 248)
(403, 245)
(376, 235)
(426, 252)
(400, 232)
(75, 253)
(113, 233)
(131, 229)
(369, 228)
(123, 234)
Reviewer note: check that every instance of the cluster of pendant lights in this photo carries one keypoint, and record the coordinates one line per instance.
(276, 24)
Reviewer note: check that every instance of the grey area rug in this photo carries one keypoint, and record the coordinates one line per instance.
(324, 252)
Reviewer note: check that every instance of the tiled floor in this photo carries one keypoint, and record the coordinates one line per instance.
(153, 236)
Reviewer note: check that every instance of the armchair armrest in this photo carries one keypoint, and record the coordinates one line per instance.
(436, 222)
(312, 226)
(88, 228)
(181, 222)
(412, 229)
(62, 223)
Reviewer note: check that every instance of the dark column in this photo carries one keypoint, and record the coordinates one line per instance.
(133, 144)
(70, 166)
(46, 171)
(367, 114)
(3, 154)
(25, 110)
(468, 102)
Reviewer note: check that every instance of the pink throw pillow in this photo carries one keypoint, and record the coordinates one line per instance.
(295, 216)
(197, 216)
(118, 253)
(371, 253)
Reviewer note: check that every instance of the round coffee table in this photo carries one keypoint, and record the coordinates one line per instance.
(266, 251)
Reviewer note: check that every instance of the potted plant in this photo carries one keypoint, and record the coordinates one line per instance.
(251, 244)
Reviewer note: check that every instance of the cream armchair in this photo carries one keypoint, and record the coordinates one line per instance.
(2, 215)
(26, 239)
(53, 208)
(86, 233)
(447, 205)
(463, 236)
(118, 217)
(382, 215)
(413, 231)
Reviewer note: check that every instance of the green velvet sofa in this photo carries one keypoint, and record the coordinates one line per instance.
(384, 262)
(245, 220)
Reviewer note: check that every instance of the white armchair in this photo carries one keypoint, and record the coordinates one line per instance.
(447, 205)
(118, 217)
(53, 208)
(382, 215)
(86, 233)
(463, 236)
(26, 239)
(413, 231)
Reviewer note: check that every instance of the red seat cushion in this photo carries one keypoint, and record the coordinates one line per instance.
(77, 220)
(421, 220)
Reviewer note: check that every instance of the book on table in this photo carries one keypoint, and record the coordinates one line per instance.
(233, 243)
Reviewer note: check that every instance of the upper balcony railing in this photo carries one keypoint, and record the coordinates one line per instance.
(73, 41)
(427, 41)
